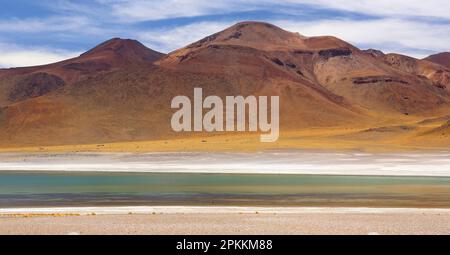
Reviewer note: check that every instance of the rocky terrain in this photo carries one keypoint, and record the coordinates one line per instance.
(120, 91)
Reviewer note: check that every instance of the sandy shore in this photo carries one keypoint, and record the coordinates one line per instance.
(224, 220)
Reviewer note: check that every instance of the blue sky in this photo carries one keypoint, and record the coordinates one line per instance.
(39, 32)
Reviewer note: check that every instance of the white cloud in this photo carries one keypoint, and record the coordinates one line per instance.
(14, 56)
(139, 10)
(428, 8)
(152, 10)
(74, 24)
(169, 39)
(382, 33)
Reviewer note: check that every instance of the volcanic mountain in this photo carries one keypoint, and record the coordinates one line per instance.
(438, 74)
(23, 83)
(345, 77)
(442, 58)
(121, 91)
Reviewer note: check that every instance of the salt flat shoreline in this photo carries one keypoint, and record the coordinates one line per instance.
(117, 210)
(234, 220)
(223, 221)
(285, 162)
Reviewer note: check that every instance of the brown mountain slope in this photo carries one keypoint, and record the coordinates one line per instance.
(107, 57)
(442, 58)
(425, 70)
(370, 81)
(121, 91)
(332, 67)
(126, 105)
(261, 59)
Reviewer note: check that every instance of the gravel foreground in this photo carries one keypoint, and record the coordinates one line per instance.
(228, 223)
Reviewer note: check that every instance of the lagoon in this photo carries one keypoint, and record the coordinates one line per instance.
(56, 189)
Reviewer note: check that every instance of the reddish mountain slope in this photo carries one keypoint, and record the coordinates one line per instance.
(262, 59)
(442, 58)
(121, 91)
(107, 57)
(437, 74)
(338, 71)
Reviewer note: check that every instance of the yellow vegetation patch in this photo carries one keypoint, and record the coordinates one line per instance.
(33, 215)
(407, 137)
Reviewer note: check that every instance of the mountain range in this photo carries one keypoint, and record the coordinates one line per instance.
(120, 91)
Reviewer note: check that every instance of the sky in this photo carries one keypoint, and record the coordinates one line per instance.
(39, 32)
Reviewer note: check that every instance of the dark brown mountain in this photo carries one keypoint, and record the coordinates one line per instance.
(442, 58)
(121, 91)
(21, 83)
(343, 75)
(262, 59)
(437, 74)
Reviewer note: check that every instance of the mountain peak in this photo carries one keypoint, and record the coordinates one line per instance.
(442, 58)
(125, 48)
(256, 25)
(374, 52)
(265, 36)
(253, 34)
(113, 45)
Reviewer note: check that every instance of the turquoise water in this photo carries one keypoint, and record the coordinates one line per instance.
(20, 189)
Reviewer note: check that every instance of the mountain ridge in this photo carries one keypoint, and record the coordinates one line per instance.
(442, 58)
(121, 91)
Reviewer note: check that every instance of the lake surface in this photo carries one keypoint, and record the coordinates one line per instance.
(43, 189)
